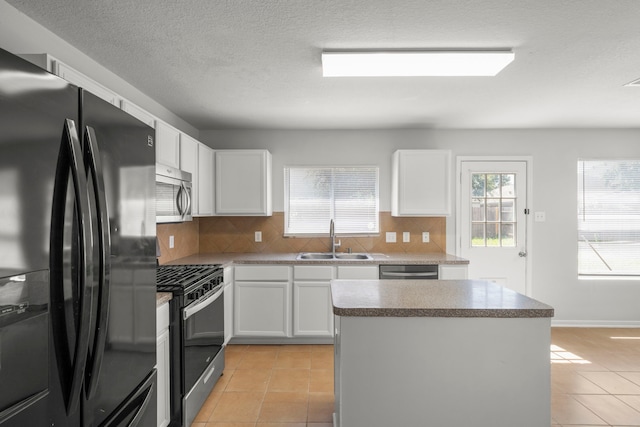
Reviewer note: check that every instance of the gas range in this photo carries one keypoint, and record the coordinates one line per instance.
(189, 282)
(196, 334)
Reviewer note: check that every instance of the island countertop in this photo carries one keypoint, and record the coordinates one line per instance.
(432, 298)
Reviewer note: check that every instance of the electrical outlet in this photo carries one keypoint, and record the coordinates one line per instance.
(406, 236)
(425, 237)
(258, 236)
(540, 217)
(391, 236)
(172, 242)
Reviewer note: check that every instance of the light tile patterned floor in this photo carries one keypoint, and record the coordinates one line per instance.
(272, 386)
(595, 381)
(595, 377)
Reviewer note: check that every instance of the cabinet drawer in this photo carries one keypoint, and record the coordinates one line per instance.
(358, 272)
(262, 272)
(313, 272)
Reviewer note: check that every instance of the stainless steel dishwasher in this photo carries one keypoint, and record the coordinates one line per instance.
(409, 272)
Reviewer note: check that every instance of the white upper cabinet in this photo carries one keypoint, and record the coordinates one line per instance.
(138, 113)
(205, 180)
(197, 159)
(243, 182)
(167, 145)
(73, 76)
(189, 163)
(77, 78)
(421, 183)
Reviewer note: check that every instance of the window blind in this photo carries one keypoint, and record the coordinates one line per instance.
(315, 195)
(609, 217)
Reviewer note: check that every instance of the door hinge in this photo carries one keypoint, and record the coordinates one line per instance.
(526, 211)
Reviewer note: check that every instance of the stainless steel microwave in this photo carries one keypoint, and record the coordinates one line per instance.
(173, 194)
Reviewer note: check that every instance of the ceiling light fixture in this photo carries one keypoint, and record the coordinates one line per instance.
(408, 63)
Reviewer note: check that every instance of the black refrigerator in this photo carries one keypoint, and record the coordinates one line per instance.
(77, 256)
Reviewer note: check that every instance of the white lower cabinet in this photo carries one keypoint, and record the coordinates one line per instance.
(262, 301)
(228, 304)
(312, 307)
(162, 364)
(360, 272)
(452, 272)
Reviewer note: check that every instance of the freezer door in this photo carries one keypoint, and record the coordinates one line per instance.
(37, 110)
(120, 157)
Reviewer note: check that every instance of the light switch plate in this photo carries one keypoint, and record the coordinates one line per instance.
(172, 242)
(540, 217)
(425, 237)
(406, 236)
(391, 236)
(258, 236)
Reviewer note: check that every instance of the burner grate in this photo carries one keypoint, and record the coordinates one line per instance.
(177, 278)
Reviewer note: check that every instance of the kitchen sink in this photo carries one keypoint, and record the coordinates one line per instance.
(329, 256)
(353, 256)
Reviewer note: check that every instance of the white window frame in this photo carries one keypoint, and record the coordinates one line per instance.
(594, 231)
(339, 224)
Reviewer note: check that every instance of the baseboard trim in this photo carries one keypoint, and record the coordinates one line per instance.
(596, 323)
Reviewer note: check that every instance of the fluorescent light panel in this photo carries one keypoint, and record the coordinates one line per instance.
(414, 63)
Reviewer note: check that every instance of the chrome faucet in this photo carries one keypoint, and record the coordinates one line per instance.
(332, 236)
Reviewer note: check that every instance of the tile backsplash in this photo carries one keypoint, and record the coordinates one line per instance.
(236, 234)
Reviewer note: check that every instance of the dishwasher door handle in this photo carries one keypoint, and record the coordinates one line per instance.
(414, 274)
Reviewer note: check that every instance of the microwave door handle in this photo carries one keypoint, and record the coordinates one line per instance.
(70, 160)
(187, 195)
(97, 174)
(179, 200)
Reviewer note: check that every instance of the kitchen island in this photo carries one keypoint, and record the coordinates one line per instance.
(444, 353)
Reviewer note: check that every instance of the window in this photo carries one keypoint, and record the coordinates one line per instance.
(609, 217)
(493, 207)
(315, 195)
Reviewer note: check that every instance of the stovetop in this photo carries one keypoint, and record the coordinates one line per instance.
(182, 279)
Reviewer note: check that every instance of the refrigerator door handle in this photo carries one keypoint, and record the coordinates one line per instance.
(142, 409)
(92, 156)
(70, 160)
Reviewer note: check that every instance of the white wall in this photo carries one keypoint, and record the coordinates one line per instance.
(20, 34)
(554, 153)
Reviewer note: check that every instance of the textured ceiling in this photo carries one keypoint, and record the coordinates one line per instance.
(256, 64)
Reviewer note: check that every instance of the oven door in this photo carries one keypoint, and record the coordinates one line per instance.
(203, 339)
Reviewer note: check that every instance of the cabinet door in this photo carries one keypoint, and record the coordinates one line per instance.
(452, 272)
(189, 163)
(162, 365)
(262, 309)
(228, 304)
(77, 78)
(205, 180)
(167, 145)
(243, 182)
(312, 309)
(358, 272)
(421, 183)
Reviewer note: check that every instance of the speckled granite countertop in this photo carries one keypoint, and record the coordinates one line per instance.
(290, 258)
(431, 298)
(162, 297)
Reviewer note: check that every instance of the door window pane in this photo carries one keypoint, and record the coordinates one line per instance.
(493, 219)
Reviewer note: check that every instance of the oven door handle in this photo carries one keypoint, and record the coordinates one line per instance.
(201, 305)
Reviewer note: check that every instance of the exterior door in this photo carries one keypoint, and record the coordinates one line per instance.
(492, 221)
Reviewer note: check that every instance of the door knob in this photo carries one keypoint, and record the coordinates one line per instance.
(522, 254)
